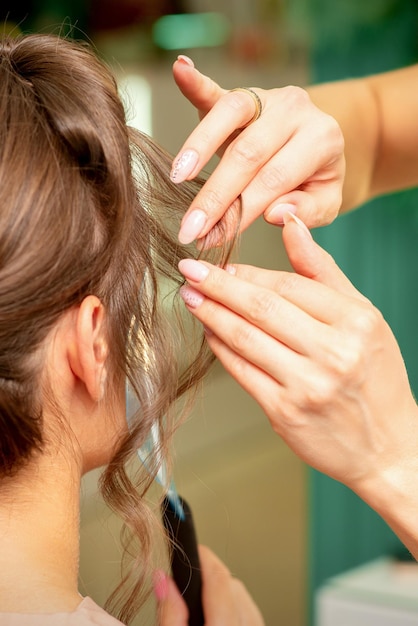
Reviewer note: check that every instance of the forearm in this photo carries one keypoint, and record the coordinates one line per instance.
(393, 491)
(378, 116)
(397, 504)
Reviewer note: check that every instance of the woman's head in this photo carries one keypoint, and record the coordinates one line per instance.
(86, 211)
(68, 227)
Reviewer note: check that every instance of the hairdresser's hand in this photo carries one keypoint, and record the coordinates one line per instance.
(290, 159)
(226, 602)
(318, 357)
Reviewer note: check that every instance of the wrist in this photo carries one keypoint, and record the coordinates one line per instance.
(393, 494)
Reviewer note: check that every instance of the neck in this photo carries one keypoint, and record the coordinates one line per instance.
(39, 524)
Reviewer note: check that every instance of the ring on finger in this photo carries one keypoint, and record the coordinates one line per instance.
(257, 102)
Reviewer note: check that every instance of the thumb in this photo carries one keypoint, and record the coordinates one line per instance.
(199, 89)
(172, 609)
(309, 259)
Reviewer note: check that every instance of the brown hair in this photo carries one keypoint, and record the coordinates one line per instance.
(86, 207)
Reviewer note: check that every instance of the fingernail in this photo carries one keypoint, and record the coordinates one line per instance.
(185, 59)
(183, 166)
(193, 270)
(160, 585)
(291, 217)
(276, 214)
(192, 226)
(191, 297)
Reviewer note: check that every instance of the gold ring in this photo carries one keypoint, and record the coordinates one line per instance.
(256, 100)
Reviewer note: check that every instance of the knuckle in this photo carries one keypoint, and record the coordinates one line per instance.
(345, 360)
(246, 152)
(212, 201)
(287, 283)
(336, 135)
(242, 337)
(347, 357)
(367, 322)
(239, 100)
(274, 177)
(297, 97)
(318, 393)
(330, 139)
(238, 367)
(262, 307)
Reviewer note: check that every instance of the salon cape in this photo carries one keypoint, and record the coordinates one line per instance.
(88, 613)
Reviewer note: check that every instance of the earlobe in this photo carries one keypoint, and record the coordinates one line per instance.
(89, 354)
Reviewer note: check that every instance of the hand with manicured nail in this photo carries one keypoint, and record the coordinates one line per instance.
(265, 163)
(323, 365)
(312, 152)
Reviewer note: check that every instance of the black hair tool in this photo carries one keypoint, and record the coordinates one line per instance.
(185, 565)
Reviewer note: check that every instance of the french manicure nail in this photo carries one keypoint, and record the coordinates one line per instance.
(275, 215)
(291, 217)
(183, 166)
(193, 270)
(185, 59)
(192, 226)
(191, 297)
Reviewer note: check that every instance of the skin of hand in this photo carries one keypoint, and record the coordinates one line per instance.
(294, 157)
(377, 115)
(324, 366)
(271, 167)
(226, 601)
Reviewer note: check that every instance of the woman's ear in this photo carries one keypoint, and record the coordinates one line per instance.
(88, 354)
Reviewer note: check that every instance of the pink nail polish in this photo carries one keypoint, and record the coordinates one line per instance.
(184, 165)
(185, 59)
(160, 584)
(191, 297)
(193, 270)
(192, 226)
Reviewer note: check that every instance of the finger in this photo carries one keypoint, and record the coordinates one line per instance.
(298, 181)
(262, 307)
(229, 113)
(219, 585)
(318, 281)
(278, 356)
(272, 191)
(200, 90)
(317, 204)
(269, 158)
(318, 300)
(267, 391)
(172, 608)
(277, 302)
(310, 260)
(218, 603)
(289, 409)
(250, 614)
(300, 173)
(244, 156)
